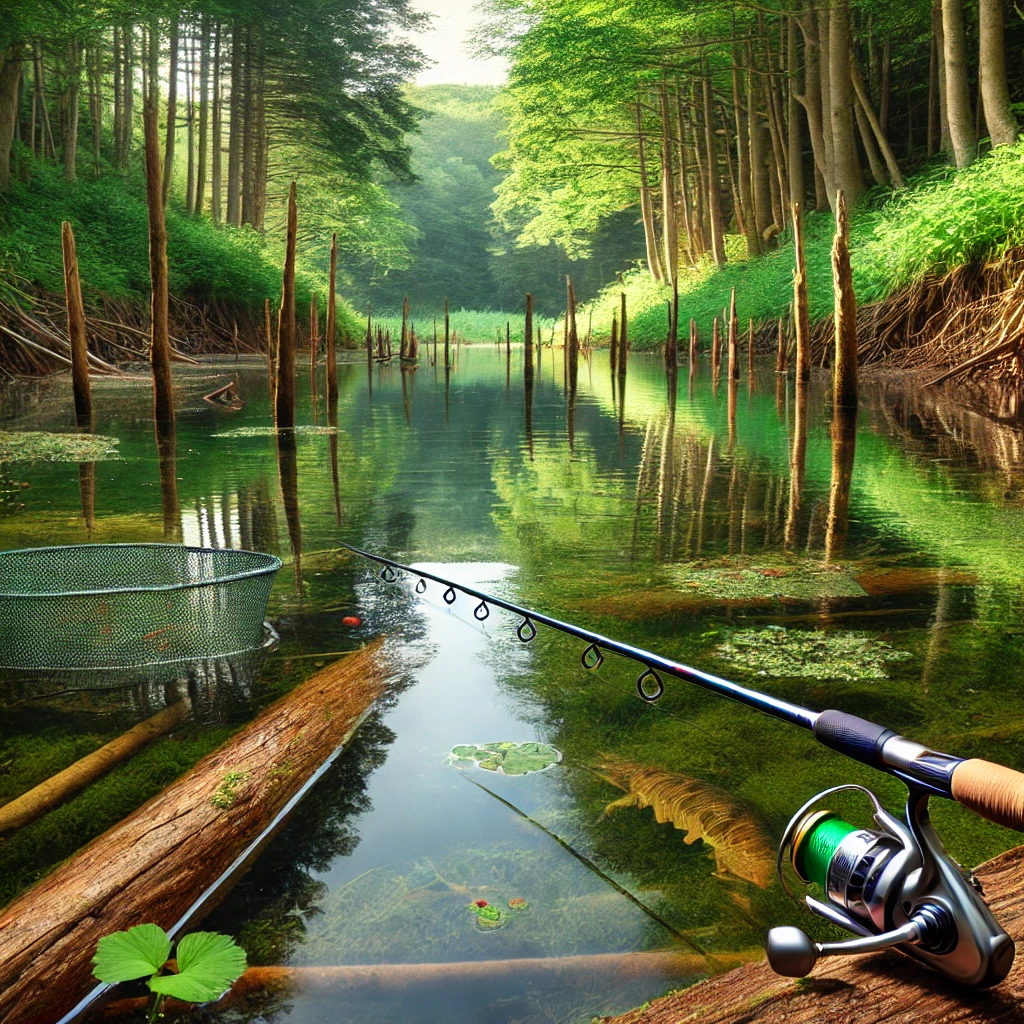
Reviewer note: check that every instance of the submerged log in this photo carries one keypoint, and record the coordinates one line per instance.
(868, 989)
(396, 979)
(62, 786)
(154, 864)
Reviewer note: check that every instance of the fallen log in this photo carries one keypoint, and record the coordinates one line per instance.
(397, 979)
(62, 786)
(869, 989)
(160, 859)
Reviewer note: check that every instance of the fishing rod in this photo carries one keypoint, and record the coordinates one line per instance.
(893, 886)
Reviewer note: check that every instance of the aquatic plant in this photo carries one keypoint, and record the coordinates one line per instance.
(507, 758)
(702, 811)
(810, 654)
(207, 963)
(43, 446)
(745, 578)
(302, 428)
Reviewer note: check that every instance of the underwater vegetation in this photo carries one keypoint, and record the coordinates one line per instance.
(43, 446)
(810, 654)
(745, 578)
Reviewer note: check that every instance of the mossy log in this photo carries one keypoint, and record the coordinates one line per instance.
(154, 864)
(869, 989)
(666, 965)
(62, 786)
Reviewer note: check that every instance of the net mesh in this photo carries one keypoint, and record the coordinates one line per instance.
(111, 607)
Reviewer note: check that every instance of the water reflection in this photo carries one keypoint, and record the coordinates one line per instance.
(166, 445)
(844, 443)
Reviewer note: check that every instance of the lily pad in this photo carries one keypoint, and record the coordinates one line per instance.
(810, 654)
(507, 758)
(43, 446)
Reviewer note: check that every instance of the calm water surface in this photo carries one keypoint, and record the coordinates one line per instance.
(882, 576)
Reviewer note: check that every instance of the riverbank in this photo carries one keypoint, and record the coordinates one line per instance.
(903, 245)
(220, 276)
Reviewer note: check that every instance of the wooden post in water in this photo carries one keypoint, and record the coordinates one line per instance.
(781, 360)
(447, 334)
(369, 335)
(716, 350)
(844, 376)
(286, 324)
(314, 342)
(734, 340)
(160, 341)
(623, 335)
(750, 348)
(614, 344)
(528, 339)
(271, 354)
(508, 339)
(404, 341)
(672, 348)
(694, 355)
(435, 344)
(800, 314)
(76, 330)
(332, 327)
(574, 341)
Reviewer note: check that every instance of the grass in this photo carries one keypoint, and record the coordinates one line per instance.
(944, 218)
(236, 266)
(471, 325)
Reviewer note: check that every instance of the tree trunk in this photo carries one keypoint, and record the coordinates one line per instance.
(285, 398)
(692, 245)
(204, 113)
(795, 134)
(958, 97)
(160, 351)
(234, 203)
(260, 140)
(867, 139)
(118, 99)
(190, 122)
(154, 864)
(95, 106)
(215, 133)
(10, 73)
(743, 162)
(129, 96)
(646, 209)
(883, 99)
(714, 196)
(670, 228)
(801, 317)
(172, 108)
(76, 331)
(249, 138)
(71, 129)
(876, 127)
(1002, 125)
(825, 85)
(848, 176)
(759, 181)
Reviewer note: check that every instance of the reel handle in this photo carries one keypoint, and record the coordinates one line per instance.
(990, 790)
(793, 954)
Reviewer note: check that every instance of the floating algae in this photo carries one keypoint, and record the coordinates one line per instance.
(507, 758)
(813, 654)
(743, 579)
(42, 446)
(272, 431)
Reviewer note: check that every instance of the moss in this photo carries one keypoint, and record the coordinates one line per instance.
(225, 796)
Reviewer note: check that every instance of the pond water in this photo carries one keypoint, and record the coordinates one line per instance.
(682, 523)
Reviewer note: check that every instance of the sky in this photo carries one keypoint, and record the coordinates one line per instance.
(446, 43)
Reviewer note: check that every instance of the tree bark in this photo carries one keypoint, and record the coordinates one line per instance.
(76, 331)
(795, 133)
(759, 180)
(234, 198)
(848, 178)
(844, 376)
(714, 196)
(646, 208)
(670, 228)
(118, 98)
(285, 398)
(743, 162)
(1002, 125)
(95, 106)
(215, 133)
(128, 104)
(190, 121)
(332, 362)
(249, 138)
(154, 864)
(160, 351)
(204, 113)
(10, 73)
(801, 316)
(172, 108)
(958, 98)
(825, 84)
(876, 127)
(72, 93)
(867, 139)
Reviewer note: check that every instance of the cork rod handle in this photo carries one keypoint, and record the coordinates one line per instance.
(988, 789)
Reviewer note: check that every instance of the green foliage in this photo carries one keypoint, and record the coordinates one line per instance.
(468, 324)
(207, 962)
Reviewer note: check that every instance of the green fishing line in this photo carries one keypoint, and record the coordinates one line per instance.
(816, 850)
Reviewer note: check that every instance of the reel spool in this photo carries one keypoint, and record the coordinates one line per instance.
(893, 886)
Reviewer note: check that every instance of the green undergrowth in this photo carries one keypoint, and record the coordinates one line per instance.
(470, 325)
(235, 266)
(33, 851)
(943, 218)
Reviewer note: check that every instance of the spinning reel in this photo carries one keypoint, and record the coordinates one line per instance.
(894, 886)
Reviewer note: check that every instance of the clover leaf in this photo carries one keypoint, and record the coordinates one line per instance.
(137, 953)
(208, 963)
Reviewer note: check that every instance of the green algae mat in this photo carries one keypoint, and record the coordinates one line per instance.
(506, 758)
(43, 446)
(744, 579)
